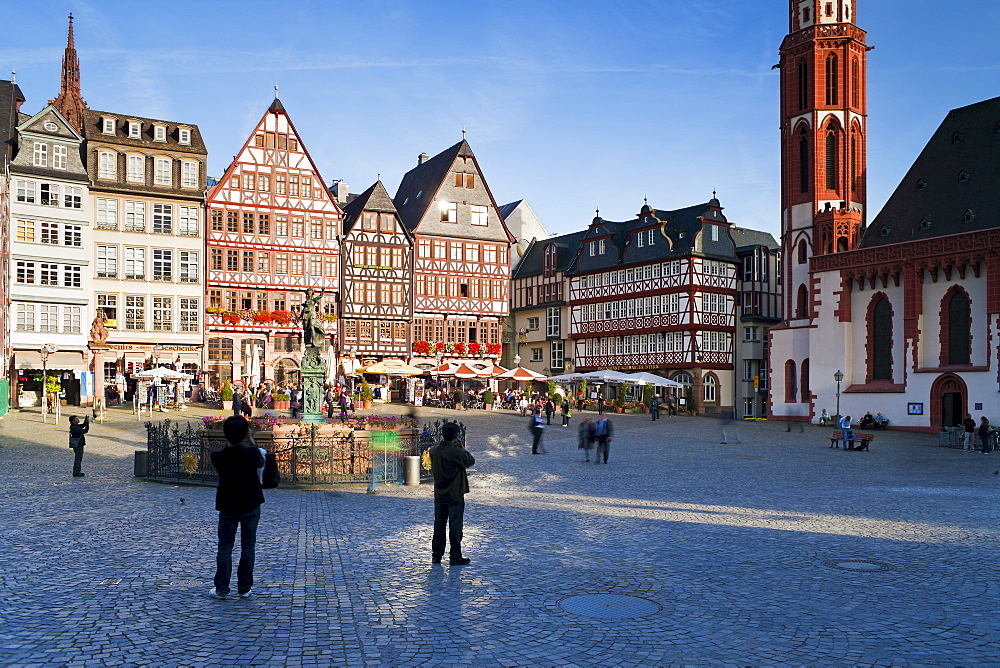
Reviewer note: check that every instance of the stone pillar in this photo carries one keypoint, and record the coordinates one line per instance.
(313, 377)
(98, 350)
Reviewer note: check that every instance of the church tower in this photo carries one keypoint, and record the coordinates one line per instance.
(823, 62)
(69, 101)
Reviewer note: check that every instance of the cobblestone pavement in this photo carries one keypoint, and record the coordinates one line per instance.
(771, 548)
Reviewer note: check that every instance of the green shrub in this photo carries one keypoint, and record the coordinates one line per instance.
(488, 397)
(366, 390)
(282, 397)
(647, 394)
(227, 392)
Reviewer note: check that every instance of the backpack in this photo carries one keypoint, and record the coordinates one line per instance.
(271, 477)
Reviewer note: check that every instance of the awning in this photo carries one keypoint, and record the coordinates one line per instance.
(32, 359)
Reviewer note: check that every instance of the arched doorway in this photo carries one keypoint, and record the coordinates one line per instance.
(286, 372)
(949, 401)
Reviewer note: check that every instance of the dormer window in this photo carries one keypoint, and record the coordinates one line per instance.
(921, 185)
(969, 216)
(884, 232)
(184, 136)
(159, 133)
(108, 126)
(925, 224)
(957, 137)
(963, 176)
(40, 155)
(134, 130)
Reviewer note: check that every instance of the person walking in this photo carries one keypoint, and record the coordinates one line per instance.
(970, 432)
(565, 412)
(671, 405)
(77, 440)
(600, 403)
(603, 431)
(537, 427)
(550, 408)
(523, 405)
(331, 400)
(654, 407)
(449, 461)
(238, 499)
(586, 437)
(984, 434)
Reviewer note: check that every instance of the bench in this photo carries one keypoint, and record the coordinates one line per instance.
(862, 440)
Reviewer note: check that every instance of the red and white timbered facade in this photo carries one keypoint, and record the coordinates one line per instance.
(376, 300)
(273, 231)
(461, 268)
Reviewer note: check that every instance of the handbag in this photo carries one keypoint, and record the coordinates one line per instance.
(74, 441)
(271, 478)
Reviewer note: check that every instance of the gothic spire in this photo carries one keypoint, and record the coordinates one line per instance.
(69, 102)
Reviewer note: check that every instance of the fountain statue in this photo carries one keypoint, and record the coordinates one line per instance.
(313, 364)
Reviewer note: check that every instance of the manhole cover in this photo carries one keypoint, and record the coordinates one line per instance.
(858, 565)
(609, 606)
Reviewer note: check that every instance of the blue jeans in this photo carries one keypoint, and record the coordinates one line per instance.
(247, 522)
(655, 412)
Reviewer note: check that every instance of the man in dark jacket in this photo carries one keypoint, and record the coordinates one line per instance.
(77, 440)
(603, 432)
(238, 500)
(451, 483)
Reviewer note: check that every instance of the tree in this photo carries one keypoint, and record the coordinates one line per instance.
(647, 394)
(366, 390)
(227, 392)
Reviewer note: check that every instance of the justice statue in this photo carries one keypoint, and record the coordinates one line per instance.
(313, 332)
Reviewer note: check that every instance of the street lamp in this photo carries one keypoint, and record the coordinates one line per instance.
(839, 376)
(44, 352)
(156, 355)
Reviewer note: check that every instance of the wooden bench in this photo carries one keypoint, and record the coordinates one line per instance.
(838, 435)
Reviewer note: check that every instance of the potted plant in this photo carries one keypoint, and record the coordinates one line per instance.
(457, 396)
(647, 397)
(488, 399)
(620, 399)
(282, 401)
(689, 400)
(367, 396)
(226, 393)
(582, 392)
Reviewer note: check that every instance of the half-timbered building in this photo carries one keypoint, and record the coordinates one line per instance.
(539, 306)
(658, 293)
(273, 232)
(461, 261)
(377, 261)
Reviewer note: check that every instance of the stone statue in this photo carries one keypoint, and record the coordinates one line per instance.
(313, 332)
(98, 332)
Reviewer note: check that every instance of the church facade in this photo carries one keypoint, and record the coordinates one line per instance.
(904, 310)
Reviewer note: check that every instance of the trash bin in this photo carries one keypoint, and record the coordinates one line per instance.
(411, 470)
(141, 463)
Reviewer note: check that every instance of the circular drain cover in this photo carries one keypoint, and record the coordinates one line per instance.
(858, 565)
(609, 606)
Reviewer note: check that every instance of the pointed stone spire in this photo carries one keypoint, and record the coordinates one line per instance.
(69, 102)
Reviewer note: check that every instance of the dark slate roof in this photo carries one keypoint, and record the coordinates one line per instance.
(507, 209)
(932, 199)
(424, 180)
(374, 199)
(568, 245)
(277, 106)
(744, 238)
(93, 131)
(10, 94)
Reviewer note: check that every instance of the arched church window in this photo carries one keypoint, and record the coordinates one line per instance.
(710, 387)
(880, 339)
(831, 159)
(855, 83)
(802, 302)
(803, 251)
(957, 330)
(791, 385)
(832, 73)
(804, 170)
(842, 245)
(804, 384)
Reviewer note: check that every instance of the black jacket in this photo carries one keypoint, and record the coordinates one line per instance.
(239, 486)
(78, 431)
(448, 464)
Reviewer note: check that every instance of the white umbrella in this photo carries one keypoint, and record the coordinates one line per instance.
(652, 379)
(520, 373)
(567, 378)
(255, 366)
(163, 373)
(606, 376)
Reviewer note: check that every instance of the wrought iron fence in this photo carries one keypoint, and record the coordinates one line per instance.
(305, 456)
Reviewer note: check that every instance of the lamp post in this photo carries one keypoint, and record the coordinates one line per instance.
(156, 355)
(44, 352)
(839, 376)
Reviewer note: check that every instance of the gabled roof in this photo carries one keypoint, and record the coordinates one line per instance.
(416, 190)
(951, 188)
(567, 245)
(507, 209)
(744, 238)
(376, 198)
(10, 96)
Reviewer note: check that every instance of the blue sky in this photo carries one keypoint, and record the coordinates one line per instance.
(571, 105)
